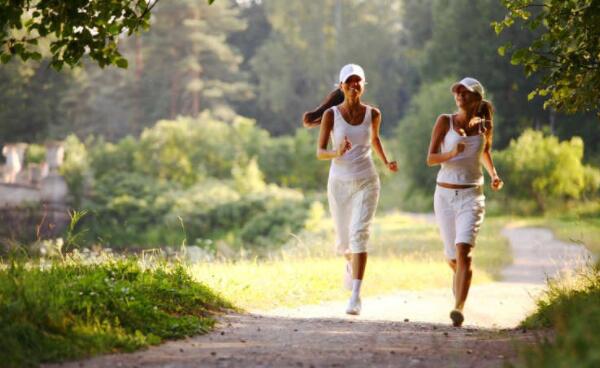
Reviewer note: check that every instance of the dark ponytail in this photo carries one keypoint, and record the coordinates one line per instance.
(334, 98)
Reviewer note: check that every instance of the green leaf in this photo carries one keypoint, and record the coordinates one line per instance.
(5, 58)
(114, 29)
(122, 63)
(501, 50)
(36, 56)
(531, 95)
(518, 57)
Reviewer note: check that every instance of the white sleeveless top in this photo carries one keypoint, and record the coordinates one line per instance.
(465, 168)
(357, 162)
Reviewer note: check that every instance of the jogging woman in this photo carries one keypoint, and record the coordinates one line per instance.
(460, 143)
(353, 185)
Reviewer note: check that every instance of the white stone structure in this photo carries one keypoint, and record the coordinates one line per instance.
(38, 185)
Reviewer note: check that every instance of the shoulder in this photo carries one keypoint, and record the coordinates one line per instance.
(329, 112)
(375, 112)
(442, 122)
(328, 117)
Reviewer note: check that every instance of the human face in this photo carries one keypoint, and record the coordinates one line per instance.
(353, 86)
(465, 98)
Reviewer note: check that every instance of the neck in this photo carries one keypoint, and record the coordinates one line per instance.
(351, 103)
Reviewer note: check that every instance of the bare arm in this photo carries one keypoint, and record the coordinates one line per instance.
(434, 156)
(376, 140)
(326, 127)
(488, 163)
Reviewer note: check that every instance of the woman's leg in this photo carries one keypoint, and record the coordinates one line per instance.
(452, 264)
(359, 264)
(464, 274)
(445, 219)
(339, 198)
(338, 195)
(364, 204)
(471, 209)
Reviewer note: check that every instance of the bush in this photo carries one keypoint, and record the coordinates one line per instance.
(276, 226)
(35, 153)
(123, 207)
(540, 167)
(76, 168)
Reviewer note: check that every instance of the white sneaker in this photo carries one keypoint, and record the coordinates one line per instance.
(354, 306)
(348, 276)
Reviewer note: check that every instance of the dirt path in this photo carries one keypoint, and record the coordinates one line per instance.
(408, 329)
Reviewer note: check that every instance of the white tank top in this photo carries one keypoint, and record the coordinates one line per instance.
(357, 162)
(465, 168)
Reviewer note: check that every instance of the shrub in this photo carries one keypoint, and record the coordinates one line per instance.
(275, 226)
(542, 168)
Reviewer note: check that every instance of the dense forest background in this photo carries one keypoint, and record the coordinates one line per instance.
(207, 117)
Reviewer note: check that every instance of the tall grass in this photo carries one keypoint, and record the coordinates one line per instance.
(71, 309)
(405, 253)
(572, 309)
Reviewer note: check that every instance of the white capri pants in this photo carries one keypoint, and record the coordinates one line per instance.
(352, 204)
(459, 214)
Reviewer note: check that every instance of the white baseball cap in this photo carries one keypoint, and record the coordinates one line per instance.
(349, 70)
(471, 84)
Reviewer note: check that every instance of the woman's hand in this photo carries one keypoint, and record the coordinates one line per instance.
(392, 166)
(496, 183)
(344, 147)
(459, 148)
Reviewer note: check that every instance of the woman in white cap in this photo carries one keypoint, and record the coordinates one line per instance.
(353, 184)
(460, 143)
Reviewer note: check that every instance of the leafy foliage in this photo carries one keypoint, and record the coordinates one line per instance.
(540, 167)
(414, 132)
(73, 28)
(565, 50)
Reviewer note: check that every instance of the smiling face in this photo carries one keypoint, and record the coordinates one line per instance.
(353, 87)
(464, 98)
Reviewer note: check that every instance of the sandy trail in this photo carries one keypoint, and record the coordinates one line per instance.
(537, 255)
(408, 329)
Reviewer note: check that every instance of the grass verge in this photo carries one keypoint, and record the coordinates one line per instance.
(74, 310)
(572, 309)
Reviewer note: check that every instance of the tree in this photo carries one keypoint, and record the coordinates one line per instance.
(414, 132)
(565, 50)
(74, 28)
(298, 63)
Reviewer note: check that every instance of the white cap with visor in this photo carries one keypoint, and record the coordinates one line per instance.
(471, 84)
(349, 70)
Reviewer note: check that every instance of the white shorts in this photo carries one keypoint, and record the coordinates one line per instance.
(352, 204)
(459, 214)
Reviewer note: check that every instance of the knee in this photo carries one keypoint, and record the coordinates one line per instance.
(463, 253)
(452, 264)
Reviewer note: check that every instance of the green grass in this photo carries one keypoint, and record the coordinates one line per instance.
(272, 284)
(72, 310)
(405, 254)
(572, 309)
(78, 307)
